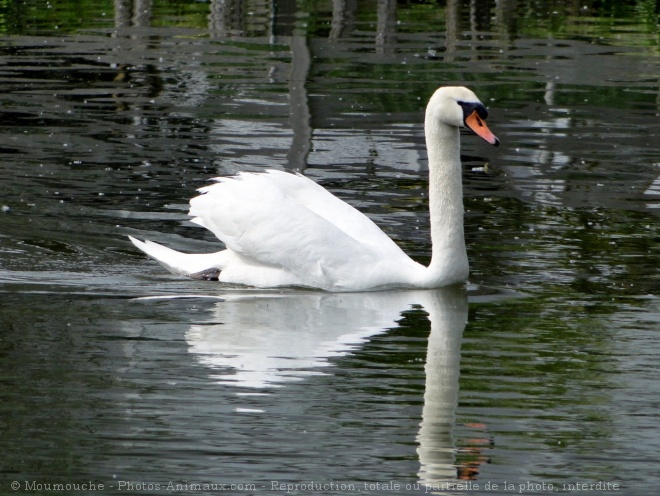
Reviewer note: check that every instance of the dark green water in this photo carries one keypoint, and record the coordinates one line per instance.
(116, 373)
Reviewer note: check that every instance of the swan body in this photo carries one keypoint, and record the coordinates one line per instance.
(283, 229)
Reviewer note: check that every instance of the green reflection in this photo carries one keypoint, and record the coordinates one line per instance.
(629, 23)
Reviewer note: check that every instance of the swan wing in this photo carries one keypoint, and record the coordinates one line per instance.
(319, 200)
(291, 223)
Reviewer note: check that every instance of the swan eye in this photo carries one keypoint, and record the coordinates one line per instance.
(470, 107)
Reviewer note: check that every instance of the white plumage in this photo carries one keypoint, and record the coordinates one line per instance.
(283, 229)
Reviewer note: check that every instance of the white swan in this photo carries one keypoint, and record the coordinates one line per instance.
(282, 229)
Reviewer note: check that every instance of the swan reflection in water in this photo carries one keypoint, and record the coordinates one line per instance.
(267, 339)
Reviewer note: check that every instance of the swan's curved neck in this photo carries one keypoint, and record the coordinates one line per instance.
(449, 258)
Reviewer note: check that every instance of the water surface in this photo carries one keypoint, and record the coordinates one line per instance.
(541, 372)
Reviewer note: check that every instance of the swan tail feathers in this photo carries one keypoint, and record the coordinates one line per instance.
(203, 266)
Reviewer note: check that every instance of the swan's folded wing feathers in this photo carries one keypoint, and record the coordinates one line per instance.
(254, 217)
(347, 218)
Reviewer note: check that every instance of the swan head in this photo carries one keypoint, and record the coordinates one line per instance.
(459, 107)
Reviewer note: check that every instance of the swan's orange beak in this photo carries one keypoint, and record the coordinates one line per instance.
(478, 125)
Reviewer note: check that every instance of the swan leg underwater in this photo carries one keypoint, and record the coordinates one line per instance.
(283, 229)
